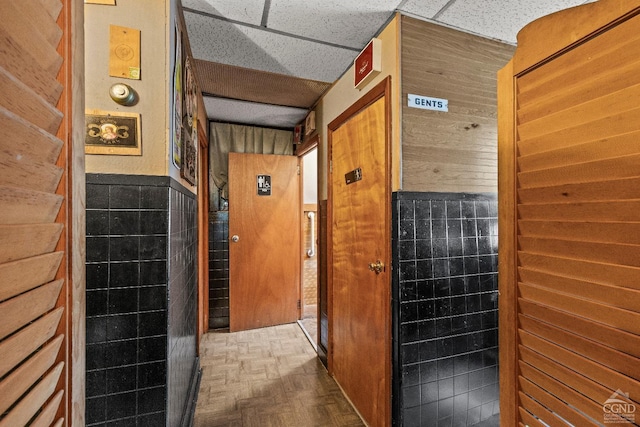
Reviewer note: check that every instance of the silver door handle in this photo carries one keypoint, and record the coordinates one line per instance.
(312, 251)
(235, 238)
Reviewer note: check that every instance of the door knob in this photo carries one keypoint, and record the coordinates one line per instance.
(235, 238)
(378, 267)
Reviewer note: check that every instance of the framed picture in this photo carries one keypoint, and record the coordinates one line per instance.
(189, 166)
(177, 104)
(111, 132)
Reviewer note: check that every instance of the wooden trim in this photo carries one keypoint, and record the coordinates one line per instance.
(566, 28)
(307, 146)
(71, 132)
(507, 255)
(382, 89)
(301, 249)
(323, 270)
(203, 237)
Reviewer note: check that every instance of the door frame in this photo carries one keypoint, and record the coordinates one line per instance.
(382, 89)
(203, 235)
(301, 151)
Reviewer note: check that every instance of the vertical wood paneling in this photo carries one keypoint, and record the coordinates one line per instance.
(570, 172)
(454, 151)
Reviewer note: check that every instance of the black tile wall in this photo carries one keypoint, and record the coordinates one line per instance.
(445, 328)
(131, 247)
(219, 270)
(183, 301)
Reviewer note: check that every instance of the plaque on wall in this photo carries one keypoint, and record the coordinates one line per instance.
(112, 133)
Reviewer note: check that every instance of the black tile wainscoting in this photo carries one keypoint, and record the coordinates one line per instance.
(141, 300)
(219, 269)
(445, 330)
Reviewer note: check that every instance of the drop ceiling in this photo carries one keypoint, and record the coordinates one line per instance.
(265, 62)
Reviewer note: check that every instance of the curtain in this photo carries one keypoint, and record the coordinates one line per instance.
(227, 138)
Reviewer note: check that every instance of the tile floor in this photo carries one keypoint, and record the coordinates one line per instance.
(267, 377)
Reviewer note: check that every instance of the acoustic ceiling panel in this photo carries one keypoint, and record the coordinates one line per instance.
(227, 81)
(249, 11)
(347, 23)
(215, 40)
(500, 19)
(423, 9)
(250, 113)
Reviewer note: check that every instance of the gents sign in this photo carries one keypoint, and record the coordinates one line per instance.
(427, 103)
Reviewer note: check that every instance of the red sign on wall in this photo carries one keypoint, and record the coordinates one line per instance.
(367, 64)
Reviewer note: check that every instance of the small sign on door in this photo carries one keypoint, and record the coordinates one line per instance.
(264, 185)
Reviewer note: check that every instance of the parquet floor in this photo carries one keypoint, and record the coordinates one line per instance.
(267, 377)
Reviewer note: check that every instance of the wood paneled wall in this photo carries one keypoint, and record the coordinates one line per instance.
(454, 151)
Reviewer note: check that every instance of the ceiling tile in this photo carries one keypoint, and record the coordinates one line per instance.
(349, 23)
(233, 111)
(249, 11)
(424, 9)
(219, 41)
(501, 19)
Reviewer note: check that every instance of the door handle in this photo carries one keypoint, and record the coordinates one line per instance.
(311, 252)
(378, 266)
(235, 238)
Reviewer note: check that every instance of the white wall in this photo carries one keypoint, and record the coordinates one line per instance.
(310, 177)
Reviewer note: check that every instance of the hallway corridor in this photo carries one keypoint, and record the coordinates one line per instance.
(267, 377)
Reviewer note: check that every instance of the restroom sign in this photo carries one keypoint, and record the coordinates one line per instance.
(264, 185)
(428, 103)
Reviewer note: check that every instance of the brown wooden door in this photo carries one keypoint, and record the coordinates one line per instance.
(570, 220)
(360, 236)
(264, 264)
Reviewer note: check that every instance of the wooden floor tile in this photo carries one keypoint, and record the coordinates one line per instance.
(267, 377)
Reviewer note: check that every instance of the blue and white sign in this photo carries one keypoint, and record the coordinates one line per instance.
(428, 103)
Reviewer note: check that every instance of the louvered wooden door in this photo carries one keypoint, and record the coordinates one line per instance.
(36, 230)
(570, 223)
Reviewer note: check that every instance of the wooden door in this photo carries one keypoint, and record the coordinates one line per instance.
(264, 266)
(570, 220)
(360, 236)
(42, 217)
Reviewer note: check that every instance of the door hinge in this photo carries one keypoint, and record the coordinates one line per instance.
(298, 169)
(299, 304)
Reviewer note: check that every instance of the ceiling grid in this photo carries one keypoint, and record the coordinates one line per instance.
(282, 52)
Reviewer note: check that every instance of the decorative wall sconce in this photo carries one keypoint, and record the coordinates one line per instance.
(123, 94)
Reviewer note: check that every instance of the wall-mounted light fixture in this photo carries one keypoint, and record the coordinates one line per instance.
(123, 94)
